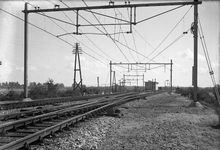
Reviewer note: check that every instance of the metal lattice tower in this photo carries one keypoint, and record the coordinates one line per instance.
(77, 85)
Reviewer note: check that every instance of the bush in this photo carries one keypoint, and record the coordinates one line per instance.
(11, 95)
(202, 95)
(38, 92)
(187, 91)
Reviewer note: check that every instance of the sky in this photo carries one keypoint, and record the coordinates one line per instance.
(51, 57)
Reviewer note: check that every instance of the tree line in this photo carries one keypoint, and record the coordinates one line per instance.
(17, 85)
(14, 85)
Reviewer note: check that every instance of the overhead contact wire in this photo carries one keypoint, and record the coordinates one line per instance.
(169, 32)
(108, 35)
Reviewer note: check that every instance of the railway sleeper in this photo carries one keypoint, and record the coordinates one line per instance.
(17, 134)
(42, 125)
(26, 131)
(8, 140)
(34, 128)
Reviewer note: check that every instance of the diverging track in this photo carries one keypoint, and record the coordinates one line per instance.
(21, 133)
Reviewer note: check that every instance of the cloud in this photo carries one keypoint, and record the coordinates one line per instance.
(5, 71)
(189, 54)
(186, 71)
(70, 67)
(177, 65)
(47, 66)
(214, 65)
(69, 58)
(30, 68)
(100, 65)
(6, 47)
(202, 71)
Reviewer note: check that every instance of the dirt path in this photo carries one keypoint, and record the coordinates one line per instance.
(163, 122)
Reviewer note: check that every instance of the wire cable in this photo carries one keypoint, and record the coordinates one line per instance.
(179, 37)
(108, 35)
(87, 36)
(169, 32)
(203, 42)
(75, 38)
(159, 14)
(52, 35)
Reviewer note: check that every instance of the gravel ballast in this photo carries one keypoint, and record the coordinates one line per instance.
(160, 122)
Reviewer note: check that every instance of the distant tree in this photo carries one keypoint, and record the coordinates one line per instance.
(39, 84)
(51, 88)
(60, 86)
(37, 92)
(4, 84)
(32, 85)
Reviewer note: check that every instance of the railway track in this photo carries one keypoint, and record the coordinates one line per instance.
(33, 111)
(49, 101)
(21, 133)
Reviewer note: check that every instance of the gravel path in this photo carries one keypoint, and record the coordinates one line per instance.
(162, 122)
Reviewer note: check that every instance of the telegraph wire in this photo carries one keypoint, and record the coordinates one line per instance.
(52, 35)
(56, 37)
(159, 14)
(211, 72)
(51, 2)
(136, 31)
(91, 23)
(169, 32)
(125, 39)
(43, 14)
(107, 16)
(87, 36)
(90, 40)
(135, 46)
(109, 35)
(128, 46)
(74, 37)
(179, 37)
(205, 49)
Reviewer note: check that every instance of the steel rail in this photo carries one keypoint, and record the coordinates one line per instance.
(7, 126)
(27, 140)
(40, 102)
(34, 111)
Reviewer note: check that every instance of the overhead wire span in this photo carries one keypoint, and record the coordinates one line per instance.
(135, 46)
(108, 16)
(86, 35)
(90, 23)
(179, 37)
(56, 37)
(76, 39)
(169, 32)
(128, 47)
(159, 14)
(135, 31)
(53, 35)
(107, 33)
(43, 14)
(81, 33)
